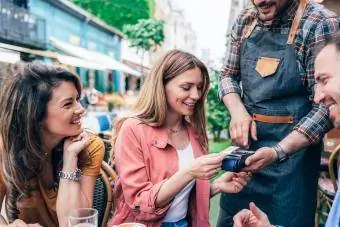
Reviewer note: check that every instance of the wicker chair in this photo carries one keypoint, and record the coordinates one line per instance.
(327, 187)
(106, 138)
(103, 199)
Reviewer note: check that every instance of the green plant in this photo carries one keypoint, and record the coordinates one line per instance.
(114, 101)
(217, 115)
(118, 13)
(146, 35)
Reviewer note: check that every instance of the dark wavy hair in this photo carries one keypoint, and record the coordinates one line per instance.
(25, 91)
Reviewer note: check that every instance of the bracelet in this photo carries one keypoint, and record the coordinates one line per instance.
(73, 175)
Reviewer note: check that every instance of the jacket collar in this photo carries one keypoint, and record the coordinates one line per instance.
(162, 140)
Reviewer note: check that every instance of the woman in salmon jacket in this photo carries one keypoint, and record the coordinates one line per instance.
(161, 150)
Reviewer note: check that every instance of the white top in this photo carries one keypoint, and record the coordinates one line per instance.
(179, 206)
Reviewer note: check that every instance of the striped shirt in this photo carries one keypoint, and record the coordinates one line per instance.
(316, 24)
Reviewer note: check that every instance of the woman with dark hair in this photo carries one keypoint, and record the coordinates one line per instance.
(48, 164)
(161, 151)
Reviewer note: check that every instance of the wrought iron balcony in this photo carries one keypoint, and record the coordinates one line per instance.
(19, 26)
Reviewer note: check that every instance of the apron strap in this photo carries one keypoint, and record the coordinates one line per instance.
(297, 19)
(251, 29)
(295, 25)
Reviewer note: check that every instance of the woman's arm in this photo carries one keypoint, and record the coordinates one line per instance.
(77, 194)
(72, 195)
(150, 200)
(204, 168)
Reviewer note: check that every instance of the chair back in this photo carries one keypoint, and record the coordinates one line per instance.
(333, 166)
(104, 122)
(103, 198)
(106, 138)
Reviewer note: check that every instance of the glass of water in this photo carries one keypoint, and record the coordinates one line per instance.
(83, 217)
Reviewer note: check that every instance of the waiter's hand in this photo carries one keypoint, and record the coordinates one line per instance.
(262, 157)
(241, 125)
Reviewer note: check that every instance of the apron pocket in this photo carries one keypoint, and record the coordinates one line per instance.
(267, 66)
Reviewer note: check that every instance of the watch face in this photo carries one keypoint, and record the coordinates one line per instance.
(78, 173)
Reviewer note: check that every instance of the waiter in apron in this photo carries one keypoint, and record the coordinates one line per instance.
(271, 56)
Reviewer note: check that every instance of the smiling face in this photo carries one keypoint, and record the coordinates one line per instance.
(183, 92)
(64, 112)
(269, 9)
(327, 75)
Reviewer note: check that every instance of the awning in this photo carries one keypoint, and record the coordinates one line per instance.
(9, 56)
(49, 54)
(97, 57)
(137, 66)
(79, 62)
(11, 53)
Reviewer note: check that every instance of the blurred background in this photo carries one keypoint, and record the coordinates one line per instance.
(111, 45)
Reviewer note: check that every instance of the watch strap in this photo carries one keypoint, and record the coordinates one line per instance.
(281, 155)
(72, 175)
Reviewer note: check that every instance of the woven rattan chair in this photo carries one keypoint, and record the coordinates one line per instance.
(106, 138)
(103, 199)
(327, 187)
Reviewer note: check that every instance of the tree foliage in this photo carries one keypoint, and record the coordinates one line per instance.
(146, 34)
(217, 115)
(118, 13)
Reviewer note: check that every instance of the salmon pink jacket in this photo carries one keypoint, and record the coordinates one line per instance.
(145, 159)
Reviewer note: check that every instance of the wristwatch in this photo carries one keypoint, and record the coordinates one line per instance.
(281, 155)
(73, 175)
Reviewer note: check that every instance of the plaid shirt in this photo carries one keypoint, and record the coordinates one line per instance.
(316, 24)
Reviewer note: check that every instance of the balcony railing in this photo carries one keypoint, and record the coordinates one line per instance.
(18, 25)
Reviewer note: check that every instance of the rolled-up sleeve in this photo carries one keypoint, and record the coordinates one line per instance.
(96, 151)
(139, 192)
(316, 123)
(230, 73)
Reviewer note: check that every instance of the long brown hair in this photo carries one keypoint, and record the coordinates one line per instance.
(25, 92)
(151, 106)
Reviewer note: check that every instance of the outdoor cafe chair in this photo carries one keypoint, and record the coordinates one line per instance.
(327, 187)
(106, 138)
(103, 198)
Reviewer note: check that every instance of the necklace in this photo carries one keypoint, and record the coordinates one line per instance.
(174, 130)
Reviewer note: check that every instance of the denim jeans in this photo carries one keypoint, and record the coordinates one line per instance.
(181, 223)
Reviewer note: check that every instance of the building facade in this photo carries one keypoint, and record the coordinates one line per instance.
(68, 23)
(61, 32)
(236, 6)
(178, 32)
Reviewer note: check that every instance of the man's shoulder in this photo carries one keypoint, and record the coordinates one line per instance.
(317, 22)
(247, 16)
(244, 20)
(316, 13)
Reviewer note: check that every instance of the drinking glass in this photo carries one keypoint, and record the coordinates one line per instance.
(83, 217)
